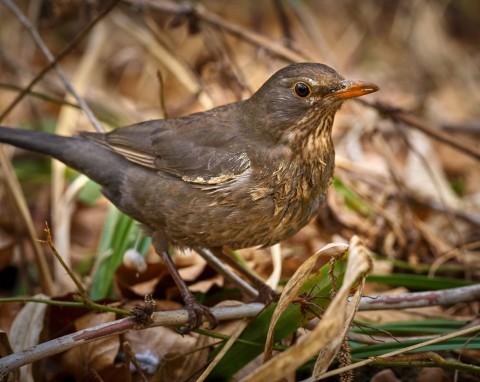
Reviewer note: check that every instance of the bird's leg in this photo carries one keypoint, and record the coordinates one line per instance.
(265, 293)
(196, 311)
(213, 260)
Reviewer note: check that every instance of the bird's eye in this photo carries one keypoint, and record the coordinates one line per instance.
(302, 89)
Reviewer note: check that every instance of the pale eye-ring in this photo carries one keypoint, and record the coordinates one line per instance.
(302, 89)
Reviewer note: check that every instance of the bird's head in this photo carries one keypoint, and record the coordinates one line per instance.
(298, 103)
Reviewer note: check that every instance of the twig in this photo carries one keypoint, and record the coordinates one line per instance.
(446, 365)
(197, 10)
(170, 318)
(87, 302)
(231, 341)
(81, 290)
(377, 180)
(180, 317)
(370, 339)
(43, 96)
(176, 66)
(161, 94)
(45, 276)
(79, 37)
(219, 267)
(356, 365)
(306, 18)
(67, 304)
(420, 299)
(44, 272)
(282, 16)
(46, 52)
(130, 357)
(416, 122)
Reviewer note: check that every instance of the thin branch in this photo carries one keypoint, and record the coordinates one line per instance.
(54, 61)
(82, 337)
(421, 299)
(180, 317)
(81, 289)
(458, 333)
(447, 365)
(42, 96)
(13, 186)
(409, 119)
(219, 267)
(191, 9)
(50, 57)
(68, 304)
(87, 302)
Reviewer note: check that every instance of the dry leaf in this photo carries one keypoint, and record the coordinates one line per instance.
(359, 264)
(331, 328)
(291, 289)
(97, 355)
(25, 331)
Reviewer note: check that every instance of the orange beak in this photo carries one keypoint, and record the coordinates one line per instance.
(353, 89)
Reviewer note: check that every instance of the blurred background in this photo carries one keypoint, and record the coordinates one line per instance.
(414, 200)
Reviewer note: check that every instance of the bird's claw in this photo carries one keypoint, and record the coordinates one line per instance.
(197, 313)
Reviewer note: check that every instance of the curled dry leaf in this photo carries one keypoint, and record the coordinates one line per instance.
(26, 329)
(326, 338)
(290, 292)
(339, 311)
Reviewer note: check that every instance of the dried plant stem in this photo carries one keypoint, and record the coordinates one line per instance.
(422, 125)
(434, 361)
(67, 304)
(81, 290)
(216, 264)
(46, 280)
(421, 299)
(197, 10)
(356, 365)
(54, 60)
(231, 341)
(40, 95)
(86, 301)
(168, 318)
(45, 276)
(179, 317)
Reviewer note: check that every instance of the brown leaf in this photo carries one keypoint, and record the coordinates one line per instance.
(324, 339)
(26, 329)
(97, 355)
(292, 288)
(386, 375)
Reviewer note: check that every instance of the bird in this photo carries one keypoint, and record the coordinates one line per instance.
(246, 174)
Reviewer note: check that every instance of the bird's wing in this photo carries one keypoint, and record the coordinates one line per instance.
(199, 149)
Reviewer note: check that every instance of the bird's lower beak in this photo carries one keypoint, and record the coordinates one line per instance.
(351, 89)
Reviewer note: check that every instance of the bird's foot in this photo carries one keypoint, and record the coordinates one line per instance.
(266, 295)
(197, 313)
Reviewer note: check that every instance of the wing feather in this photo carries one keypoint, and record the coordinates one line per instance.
(203, 148)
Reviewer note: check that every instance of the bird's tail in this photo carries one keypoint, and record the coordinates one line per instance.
(90, 158)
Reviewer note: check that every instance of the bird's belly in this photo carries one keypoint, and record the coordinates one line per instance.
(190, 216)
(239, 222)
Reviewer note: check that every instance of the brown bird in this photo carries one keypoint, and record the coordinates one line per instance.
(251, 173)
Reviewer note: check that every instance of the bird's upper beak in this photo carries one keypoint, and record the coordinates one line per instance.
(351, 89)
